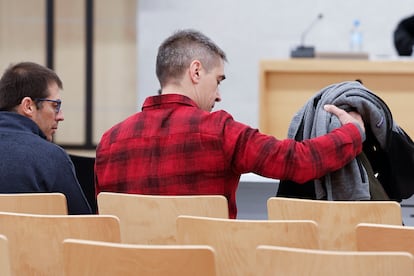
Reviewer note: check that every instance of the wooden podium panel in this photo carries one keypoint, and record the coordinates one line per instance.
(286, 85)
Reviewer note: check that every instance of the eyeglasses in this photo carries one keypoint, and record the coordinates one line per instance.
(57, 102)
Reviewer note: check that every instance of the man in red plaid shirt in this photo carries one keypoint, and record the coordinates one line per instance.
(177, 146)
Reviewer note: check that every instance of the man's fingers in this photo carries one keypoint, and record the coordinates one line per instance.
(345, 117)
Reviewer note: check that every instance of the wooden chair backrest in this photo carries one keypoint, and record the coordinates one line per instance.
(289, 261)
(34, 203)
(383, 237)
(85, 257)
(5, 268)
(35, 241)
(336, 219)
(150, 219)
(235, 241)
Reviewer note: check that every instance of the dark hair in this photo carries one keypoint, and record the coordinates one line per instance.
(177, 52)
(25, 79)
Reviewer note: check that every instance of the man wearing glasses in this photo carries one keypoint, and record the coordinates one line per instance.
(29, 117)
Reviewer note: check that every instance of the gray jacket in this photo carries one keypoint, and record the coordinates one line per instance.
(351, 182)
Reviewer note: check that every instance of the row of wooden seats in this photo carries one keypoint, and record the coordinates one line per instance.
(247, 239)
(225, 247)
(341, 232)
(34, 244)
(116, 259)
(235, 240)
(154, 216)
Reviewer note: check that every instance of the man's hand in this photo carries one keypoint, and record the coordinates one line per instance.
(345, 117)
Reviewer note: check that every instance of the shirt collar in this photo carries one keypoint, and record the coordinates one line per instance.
(156, 101)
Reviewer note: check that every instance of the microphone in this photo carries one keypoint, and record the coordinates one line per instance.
(302, 50)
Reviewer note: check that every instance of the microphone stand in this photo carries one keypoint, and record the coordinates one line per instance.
(302, 50)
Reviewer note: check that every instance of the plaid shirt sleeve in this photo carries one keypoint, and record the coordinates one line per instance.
(297, 161)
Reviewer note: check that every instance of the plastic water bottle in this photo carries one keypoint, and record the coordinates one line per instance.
(356, 37)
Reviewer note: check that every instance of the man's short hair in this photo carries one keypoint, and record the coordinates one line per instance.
(25, 79)
(177, 52)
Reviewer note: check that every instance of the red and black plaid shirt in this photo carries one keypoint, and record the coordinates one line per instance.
(174, 148)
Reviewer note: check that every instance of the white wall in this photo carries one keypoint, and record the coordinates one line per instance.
(249, 31)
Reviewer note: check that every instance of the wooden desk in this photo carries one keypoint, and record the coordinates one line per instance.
(285, 86)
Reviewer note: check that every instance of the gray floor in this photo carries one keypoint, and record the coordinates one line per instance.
(252, 197)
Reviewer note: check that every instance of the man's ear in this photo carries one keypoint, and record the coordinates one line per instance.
(195, 68)
(27, 106)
